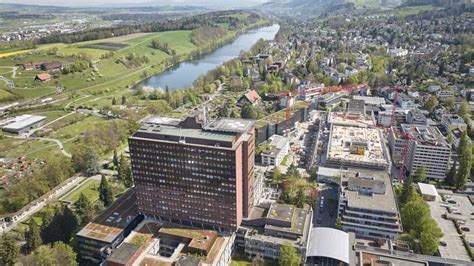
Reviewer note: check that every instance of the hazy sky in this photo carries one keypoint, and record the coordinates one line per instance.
(212, 3)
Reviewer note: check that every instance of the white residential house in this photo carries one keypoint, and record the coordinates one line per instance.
(278, 148)
(397, 52)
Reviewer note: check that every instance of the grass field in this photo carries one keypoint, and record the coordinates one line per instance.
(32, 149)
(409, 10)
(105, 46)
(89, 188)
(12, 53)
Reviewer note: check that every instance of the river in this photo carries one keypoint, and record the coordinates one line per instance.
(183, 75)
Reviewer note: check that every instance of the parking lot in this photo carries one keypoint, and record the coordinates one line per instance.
(326, 216)
(453, 247)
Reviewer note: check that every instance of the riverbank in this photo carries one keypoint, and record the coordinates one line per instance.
(106, 77)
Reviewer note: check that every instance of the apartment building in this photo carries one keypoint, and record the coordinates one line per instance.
(269, 227)
(367, 205)
(426, 146)
(195, 173)
(276, 150)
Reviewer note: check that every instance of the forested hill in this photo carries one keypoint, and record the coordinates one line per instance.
(185, 23)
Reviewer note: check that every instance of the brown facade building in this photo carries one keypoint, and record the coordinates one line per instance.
(193, 174)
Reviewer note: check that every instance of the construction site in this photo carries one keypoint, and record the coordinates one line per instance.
(354, 145)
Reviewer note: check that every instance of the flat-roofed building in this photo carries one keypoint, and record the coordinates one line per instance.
(428, 191)
(370, 100)
(109, 229)
(24, 123)
(356, 107)
(451, 122)
(351, 146)
(155, 243)
(426, 146)
(415, 116)
(276, 150)
(367, 205)
(270, 226)
(193, 174)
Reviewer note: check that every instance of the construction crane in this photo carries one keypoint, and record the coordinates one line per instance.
(318, 91)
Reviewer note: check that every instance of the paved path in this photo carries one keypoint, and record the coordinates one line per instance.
(31, 132)
(33, 208)
(59, 143)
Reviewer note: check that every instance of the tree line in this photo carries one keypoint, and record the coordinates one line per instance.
(183, 23)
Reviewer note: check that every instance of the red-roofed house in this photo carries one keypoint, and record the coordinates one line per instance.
(250, 97)
(43, 77)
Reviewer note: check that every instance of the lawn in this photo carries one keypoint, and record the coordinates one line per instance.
(90, 188)
(75, 129)
(32, 149)
(4, 94)
(11, 53)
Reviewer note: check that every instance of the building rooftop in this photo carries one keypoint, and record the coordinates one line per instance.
(378, 202)
(427, 134)
(23, 121)
(370, 100)
(417, 115)
(428, 189)
(356, 145)
(356, 120)
(161, 120)
(356, 105)
(123, 254)
(191, 246)
(186, 133)
(329, 243)
(276, 143)
(230, 125)
(108, 225)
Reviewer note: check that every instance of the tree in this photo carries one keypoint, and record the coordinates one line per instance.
(429, 237)
(32, 236)
(465, 162)
(420, 174)
(450, 177)
(224, 111)
(300, 198)
(69, 224)
(464, 109)
(115, 160)
(114, 101)
(9, 250)
(449, 137)
(105, 193)
(56, 254)
(407, 189)
(431, 104)
(277, 177)
(414, 214)
(92, 162)
(82, 207)
(289, 256)
(449, 103)
(125, 172)
(248, 111)
(124, 99)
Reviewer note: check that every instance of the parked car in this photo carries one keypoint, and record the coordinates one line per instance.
(320, 220)
(443, 243)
